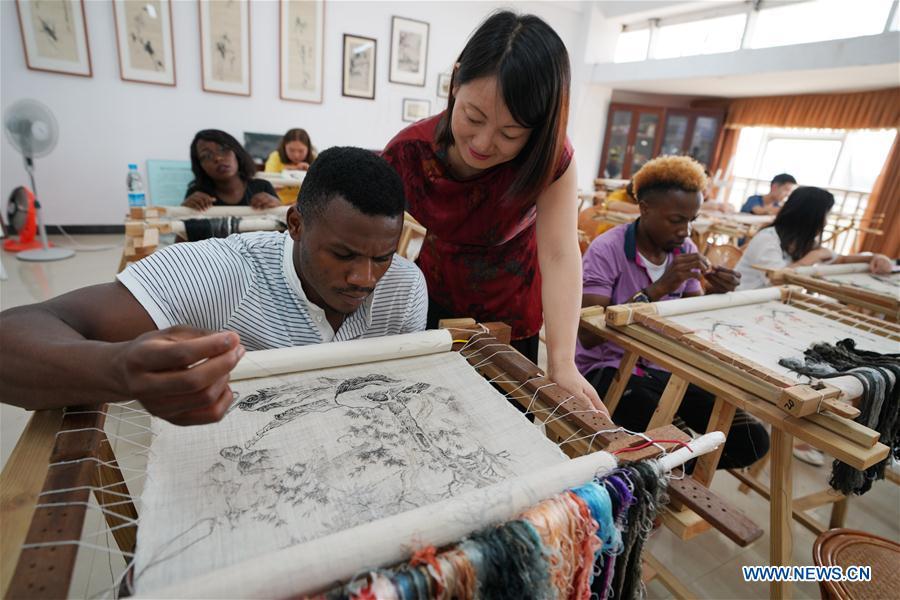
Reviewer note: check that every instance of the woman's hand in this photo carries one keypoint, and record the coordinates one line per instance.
(569, 379)
(262, 201)
(819, 255)
(880, 264)
(198, 201)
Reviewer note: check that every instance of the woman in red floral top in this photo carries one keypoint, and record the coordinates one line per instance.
(493, 180)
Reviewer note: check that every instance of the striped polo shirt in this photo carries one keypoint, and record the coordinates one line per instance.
(247, 283)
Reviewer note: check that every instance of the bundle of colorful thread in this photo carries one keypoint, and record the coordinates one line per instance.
(587, 540)
(879, 406)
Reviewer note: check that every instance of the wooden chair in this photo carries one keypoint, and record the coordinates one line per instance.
(411, 238)
(724, 256)
(589, 224)
(846, 547)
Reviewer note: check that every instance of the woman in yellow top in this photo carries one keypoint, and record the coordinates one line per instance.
(295, 153)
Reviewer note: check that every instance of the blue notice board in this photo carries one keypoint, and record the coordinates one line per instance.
(168, 181)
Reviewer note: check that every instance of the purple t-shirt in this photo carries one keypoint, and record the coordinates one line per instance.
(612, 267)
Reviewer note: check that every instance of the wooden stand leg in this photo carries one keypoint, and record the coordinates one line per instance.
(668, 579)
(781, 508)
(669, 402)
(112, 498)
(720, 420)
(839, 513)
(620, 381)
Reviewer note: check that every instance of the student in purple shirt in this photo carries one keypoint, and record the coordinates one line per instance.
(654, 260)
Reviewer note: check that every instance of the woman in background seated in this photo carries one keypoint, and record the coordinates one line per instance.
(794, 239)
(294, 153)
(223, 175)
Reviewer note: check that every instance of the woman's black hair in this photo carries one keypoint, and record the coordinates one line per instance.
(531, 64)
(801, 220)
(246, 166)
(296, 135)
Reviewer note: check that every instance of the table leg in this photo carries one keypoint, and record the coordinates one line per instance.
(781, 484)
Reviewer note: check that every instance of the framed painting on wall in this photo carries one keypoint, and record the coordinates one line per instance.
(54, 36)
(358, 80)
(144, 40)
(225, 46)
(416, 110)
(409, 51)
(302, 47)
(443, 90)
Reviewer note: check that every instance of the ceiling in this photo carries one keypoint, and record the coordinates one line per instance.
(856, 78)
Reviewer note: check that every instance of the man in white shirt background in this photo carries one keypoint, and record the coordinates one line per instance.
(174, 325)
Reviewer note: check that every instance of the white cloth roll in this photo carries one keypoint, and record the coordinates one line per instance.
(716, 301)
(278, 361)
(825, 270)
(183, 212)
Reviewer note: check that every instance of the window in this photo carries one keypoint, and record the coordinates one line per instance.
(818, 20)
(778, 23)
(848, 160)
(845, 162)
(861, 159)
(632, 46)
(708, 36)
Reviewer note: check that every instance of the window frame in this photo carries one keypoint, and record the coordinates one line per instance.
(752, 8)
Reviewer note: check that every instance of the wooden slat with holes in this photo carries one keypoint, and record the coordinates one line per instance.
(20, 483)
(46, 571)
(734, 524)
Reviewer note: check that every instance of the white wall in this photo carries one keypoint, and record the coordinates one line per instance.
(106, 123)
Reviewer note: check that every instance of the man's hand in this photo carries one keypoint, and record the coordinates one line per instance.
(262, 201)
(682, 268)
(181, 373)
(198, 201)
(721, 280)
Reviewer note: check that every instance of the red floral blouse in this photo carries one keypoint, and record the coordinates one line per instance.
(480, 254)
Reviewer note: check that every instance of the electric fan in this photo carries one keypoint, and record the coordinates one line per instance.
(32, 130)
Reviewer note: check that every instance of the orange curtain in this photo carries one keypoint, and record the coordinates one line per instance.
(879, 109)
(726, 149)
(885, 199)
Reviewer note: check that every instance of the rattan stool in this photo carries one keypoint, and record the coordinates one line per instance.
(846, 547)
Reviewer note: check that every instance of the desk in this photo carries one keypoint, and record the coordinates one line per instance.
(852, 284)
(811, 413)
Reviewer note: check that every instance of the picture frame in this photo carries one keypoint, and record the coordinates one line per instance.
(416, 110)
(301, 42)
(409, 51)
(359, 63)
(443, 85)
(54, 37)
(225, 46)
(144, 41)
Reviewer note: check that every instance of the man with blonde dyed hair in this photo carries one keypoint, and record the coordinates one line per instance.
(651, 260)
